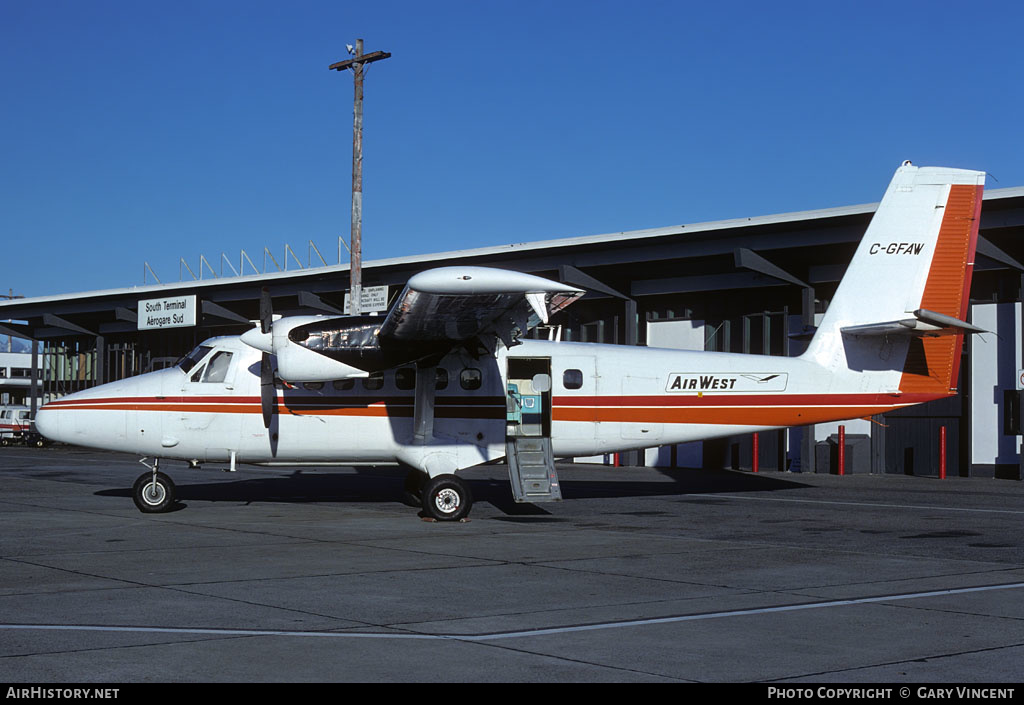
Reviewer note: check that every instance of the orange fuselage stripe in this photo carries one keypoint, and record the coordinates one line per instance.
(743, 410)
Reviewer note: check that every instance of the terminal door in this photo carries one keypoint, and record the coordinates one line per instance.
(531, 462)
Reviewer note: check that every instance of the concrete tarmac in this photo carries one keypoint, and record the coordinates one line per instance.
(640, 575)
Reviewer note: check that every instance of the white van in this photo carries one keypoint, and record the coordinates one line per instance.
(16, 425)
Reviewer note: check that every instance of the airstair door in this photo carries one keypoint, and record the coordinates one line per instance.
(531, 463)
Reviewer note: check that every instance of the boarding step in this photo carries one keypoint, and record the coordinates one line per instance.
(531, 470)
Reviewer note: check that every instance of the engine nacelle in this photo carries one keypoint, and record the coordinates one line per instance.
(296, 361)
(298, 364)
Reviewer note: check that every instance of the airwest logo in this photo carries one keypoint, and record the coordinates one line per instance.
(896, 248)
(681, 382)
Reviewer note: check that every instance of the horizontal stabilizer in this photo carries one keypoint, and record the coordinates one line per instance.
(924, 322)
(944, 321)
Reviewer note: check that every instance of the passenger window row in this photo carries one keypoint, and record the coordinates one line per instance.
(470, 379)
(405, 379)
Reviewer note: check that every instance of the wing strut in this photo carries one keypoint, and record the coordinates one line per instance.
(268, 388)
(423, 404)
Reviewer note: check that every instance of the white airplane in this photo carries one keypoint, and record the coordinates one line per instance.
(444, 382)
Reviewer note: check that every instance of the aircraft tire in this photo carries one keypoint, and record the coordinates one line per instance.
(446, 498)
(150, 498)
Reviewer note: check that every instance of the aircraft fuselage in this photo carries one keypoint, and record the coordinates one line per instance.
(603, 398)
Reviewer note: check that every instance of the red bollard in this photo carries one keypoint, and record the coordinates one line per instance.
(842, 450)
(942, 452)
(754, 463)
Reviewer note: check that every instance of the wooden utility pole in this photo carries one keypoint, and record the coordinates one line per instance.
(357, 64)
(10, 339)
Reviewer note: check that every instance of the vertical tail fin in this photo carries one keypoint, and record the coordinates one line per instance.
(899, 312)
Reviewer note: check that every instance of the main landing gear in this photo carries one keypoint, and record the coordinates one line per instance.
(443, 498)
(153, 492)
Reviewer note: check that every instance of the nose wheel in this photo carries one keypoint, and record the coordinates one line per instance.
(153, 492)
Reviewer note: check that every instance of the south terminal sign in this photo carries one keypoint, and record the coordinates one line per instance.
(169, 312)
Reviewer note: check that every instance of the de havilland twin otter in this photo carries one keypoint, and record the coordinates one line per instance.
(446, 381)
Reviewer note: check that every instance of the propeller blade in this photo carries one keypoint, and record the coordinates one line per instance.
(268, 392)
(266, 310)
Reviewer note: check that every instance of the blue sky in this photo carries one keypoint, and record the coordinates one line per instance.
(137, 131)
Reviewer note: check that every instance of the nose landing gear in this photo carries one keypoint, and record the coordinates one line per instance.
(153, 492)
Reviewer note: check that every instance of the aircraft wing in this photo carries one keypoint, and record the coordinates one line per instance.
(456, 304)
(438, 310)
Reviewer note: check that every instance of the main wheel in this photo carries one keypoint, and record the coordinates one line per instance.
(153, 496)
(446, 498)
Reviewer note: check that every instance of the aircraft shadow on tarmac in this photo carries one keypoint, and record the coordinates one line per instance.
(386, 485)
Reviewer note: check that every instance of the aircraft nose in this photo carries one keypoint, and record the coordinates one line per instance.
(94, 418)
(50, 422)
(61, 420)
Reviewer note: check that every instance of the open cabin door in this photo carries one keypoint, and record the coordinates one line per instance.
(531, 463)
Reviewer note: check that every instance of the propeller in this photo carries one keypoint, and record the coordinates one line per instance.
(268, 388)
(266, 310)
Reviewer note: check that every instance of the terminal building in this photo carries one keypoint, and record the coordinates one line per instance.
(754, 285)
(15, 377)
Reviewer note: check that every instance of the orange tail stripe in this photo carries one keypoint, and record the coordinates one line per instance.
(933, 364)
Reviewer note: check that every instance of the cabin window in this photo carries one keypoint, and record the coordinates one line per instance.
(374, 381)
(572, 379)
(470, 379)
(405, 378)
(343, 385)
(217, 368)
(313, 386)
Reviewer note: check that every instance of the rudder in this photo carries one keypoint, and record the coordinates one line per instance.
(898, 315)
(934, 365)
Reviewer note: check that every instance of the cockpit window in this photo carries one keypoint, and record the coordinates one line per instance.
(189, 361)
(217, 370)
